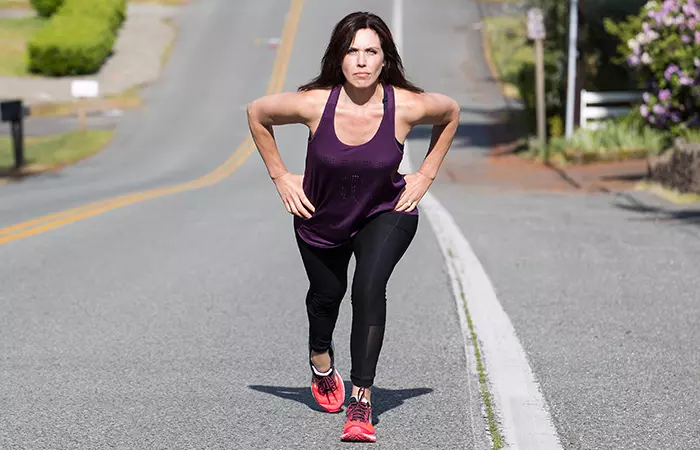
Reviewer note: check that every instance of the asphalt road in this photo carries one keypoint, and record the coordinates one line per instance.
(179, 322)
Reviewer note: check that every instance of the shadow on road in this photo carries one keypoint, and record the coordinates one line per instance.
(383, 400)
(488, 128)
(657, 214)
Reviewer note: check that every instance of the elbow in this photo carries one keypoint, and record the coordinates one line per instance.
(456, 112)
(250, 111)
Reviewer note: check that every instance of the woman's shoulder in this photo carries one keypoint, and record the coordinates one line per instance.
(408, 102)
(315, 100)
(416, 106)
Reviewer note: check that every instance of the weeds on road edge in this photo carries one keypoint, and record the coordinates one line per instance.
(486, 396)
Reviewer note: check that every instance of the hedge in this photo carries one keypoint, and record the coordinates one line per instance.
(46, 8)
(71, 45)
(112, 11)
(78, 39)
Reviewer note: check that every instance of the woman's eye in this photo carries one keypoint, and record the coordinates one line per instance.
(374, 52)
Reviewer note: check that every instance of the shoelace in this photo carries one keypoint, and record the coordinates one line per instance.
(358, 411)
(326, 384)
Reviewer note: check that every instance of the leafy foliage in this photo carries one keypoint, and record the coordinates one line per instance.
(662, 44)
(46, 8)
(78, 39)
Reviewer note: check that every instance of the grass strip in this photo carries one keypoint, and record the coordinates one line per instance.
(44, 153)
(486, 396)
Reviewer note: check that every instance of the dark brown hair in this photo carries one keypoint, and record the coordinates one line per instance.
(332, 63)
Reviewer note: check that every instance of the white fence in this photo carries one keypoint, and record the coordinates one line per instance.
(594, 107)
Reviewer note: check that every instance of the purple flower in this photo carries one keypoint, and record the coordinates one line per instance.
(647, 97)
(676, 116)
(686, 39)
(659, 110)
(697, 62)
(664, 95)
(686, 80)
(644, 111)
(633, 60)
(670, 71)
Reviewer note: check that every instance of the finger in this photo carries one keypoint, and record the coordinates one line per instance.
(404, 205)
(293, 209)
(300, 208)
(401, 201)
(286, 205)
(307, 203)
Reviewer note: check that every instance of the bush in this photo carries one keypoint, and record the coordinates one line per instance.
(662, 43)
(623, 138)
(46, 8)
(112, 11)
(78, 39)
(70, 45)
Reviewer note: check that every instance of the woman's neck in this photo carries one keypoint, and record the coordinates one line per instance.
(362, 97)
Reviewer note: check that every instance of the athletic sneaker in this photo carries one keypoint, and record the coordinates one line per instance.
(327, 387)
(358, 425)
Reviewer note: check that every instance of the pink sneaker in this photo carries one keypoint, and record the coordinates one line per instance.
(328, 388)
(358, 425)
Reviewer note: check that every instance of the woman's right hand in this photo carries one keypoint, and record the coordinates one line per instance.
(289, 187)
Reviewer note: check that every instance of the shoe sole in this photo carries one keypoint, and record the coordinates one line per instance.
(356, 434)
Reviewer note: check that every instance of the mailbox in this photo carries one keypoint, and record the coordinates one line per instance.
(12, 110)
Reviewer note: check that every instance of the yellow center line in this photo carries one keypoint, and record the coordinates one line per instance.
(239, 156)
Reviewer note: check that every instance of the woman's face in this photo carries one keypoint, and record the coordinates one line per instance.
(364, 59)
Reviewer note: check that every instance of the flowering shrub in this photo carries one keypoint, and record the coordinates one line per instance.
(662, 44)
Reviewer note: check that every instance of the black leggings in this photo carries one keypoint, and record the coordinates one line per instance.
(378, 247)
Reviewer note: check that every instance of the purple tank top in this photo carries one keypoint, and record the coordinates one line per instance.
(349, 184)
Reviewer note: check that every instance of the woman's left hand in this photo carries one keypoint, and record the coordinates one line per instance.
(417, 185)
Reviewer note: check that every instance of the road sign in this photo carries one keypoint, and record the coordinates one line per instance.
(536, 32)
(535, 24)
(85, 88)
(82, 89)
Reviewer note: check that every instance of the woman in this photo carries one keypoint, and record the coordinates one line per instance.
(351, 198)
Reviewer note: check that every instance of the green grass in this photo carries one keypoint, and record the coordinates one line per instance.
(486, 396)
(48, 152)
(14, 4)
(618, 140)
(14, 34)
(24, 4)
(508, 48)
(673, 196)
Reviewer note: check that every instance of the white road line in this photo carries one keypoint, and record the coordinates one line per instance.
(523, 416)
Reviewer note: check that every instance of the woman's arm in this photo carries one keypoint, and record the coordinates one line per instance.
(277, 109)
(281, 109)
(443, 113)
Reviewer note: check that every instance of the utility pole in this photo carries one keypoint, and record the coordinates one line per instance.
(571, 72)
(536, 31)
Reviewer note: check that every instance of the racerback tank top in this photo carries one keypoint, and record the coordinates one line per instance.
(349, 184)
